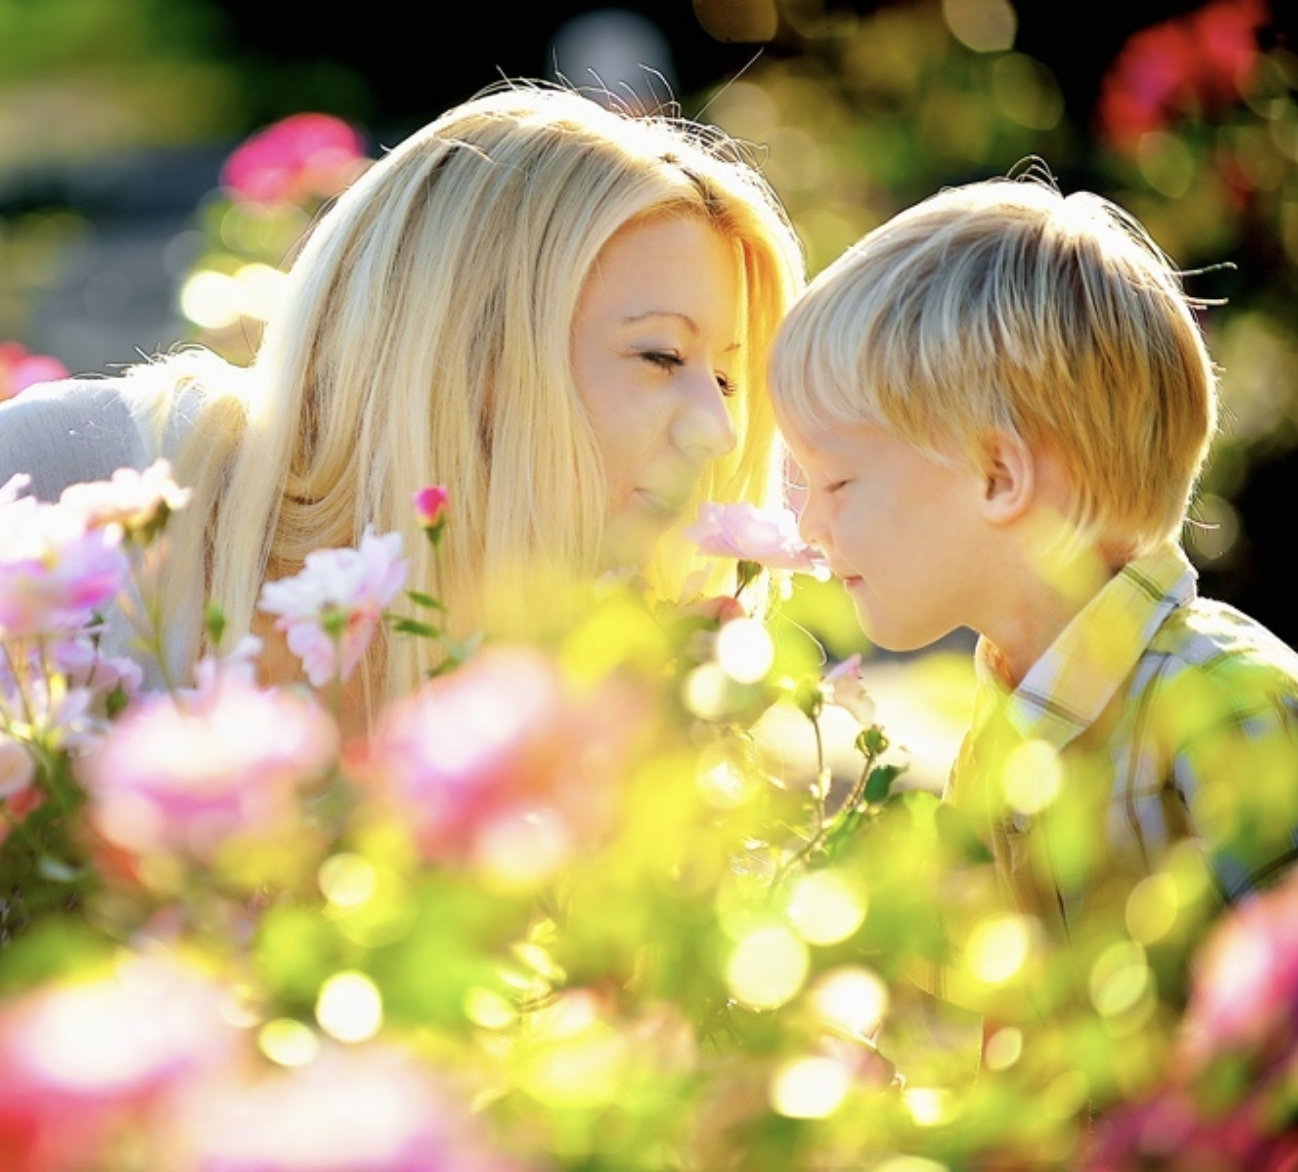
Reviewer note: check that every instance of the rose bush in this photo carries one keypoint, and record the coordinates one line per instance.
(569, 904)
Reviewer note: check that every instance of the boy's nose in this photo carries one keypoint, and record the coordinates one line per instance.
(810, 524)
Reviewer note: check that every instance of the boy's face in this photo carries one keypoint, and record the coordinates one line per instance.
(906, 535)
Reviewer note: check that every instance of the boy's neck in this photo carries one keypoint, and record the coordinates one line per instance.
(1039, 603)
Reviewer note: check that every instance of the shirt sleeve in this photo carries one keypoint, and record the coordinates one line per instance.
(1236, 769)
(69, 432)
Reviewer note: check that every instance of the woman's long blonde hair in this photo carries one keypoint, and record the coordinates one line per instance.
(423, 338)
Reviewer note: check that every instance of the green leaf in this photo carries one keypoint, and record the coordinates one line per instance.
(425, 600)
(414, 627)
(879, 785)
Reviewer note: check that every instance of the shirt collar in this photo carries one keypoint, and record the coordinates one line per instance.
(1065, 691)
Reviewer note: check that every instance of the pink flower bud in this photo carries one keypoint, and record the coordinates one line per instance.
(430, 505)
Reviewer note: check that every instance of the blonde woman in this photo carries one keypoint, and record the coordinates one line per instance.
(557, 310)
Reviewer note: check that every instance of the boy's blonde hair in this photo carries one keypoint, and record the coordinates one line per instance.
(423, 337)
(1004, 305)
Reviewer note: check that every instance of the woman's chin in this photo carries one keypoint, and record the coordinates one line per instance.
(630, 539)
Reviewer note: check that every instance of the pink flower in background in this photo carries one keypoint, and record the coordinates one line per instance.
(136, 501)
(54, 567)
(301, 157)
(20, 369)
(1184, 66)
(330, 611)
(78, 1058)
(431, 504)
(501, 755)
(375, 1107)
(768, 537)
(184, 779)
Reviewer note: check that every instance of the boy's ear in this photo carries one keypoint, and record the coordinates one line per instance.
(1009, 477)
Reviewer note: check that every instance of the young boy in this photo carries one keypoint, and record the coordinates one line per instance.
(1002, 401)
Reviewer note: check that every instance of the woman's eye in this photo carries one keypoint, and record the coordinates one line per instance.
(834, 485)
(663, 359)
(729, 388)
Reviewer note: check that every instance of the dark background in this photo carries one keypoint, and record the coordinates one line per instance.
(416, 61)
(108, 292)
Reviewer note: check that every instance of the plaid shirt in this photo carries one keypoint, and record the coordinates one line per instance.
(1156, 718)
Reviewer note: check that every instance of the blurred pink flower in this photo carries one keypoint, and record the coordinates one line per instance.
(185, 778)
(768, 537)
(20, 369)
(1181, 67)
(845, 686)
(502, 754)
(431, 504)
(80, 1058)
(1233, 1064)
(136, 501)
(73, 712)
(374, 1107)
(302, 157)
(1245, 997)
(19, 794)
(330, 611)
(54, 567)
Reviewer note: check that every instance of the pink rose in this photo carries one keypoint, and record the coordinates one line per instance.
(185, 778)
(330, 611)
(750, 534)
(76, 1059)
(54, 567)
(431, 504)
(301, 157)
(502, 750)
(137, 501)
(374, 1106)
(20, 369)
(1245, 998)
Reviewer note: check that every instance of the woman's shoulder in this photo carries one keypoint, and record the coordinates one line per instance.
(68, 431)
(85, 428)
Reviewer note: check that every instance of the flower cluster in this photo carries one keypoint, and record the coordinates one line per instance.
(300, 158)
(563, 904)
(1183, 67)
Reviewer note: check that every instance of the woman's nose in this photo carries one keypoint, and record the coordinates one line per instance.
(703, 428)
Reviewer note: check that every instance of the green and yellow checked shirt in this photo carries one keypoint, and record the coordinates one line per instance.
(1156, 718)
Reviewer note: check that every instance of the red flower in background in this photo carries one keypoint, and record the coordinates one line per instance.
(1186, 66)
(301, 157)
(20, 369)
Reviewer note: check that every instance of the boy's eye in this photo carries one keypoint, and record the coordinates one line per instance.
(834, 485)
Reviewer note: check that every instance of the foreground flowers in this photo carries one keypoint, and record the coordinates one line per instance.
(567, 905)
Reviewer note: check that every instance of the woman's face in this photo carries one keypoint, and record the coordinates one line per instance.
(655, 345)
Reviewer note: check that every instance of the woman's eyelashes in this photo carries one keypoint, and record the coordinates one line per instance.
(663, 359)
(670, 360)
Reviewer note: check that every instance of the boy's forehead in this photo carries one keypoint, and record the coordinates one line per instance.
(811, 442)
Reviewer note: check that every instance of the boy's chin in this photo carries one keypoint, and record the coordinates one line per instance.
(893, 636)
